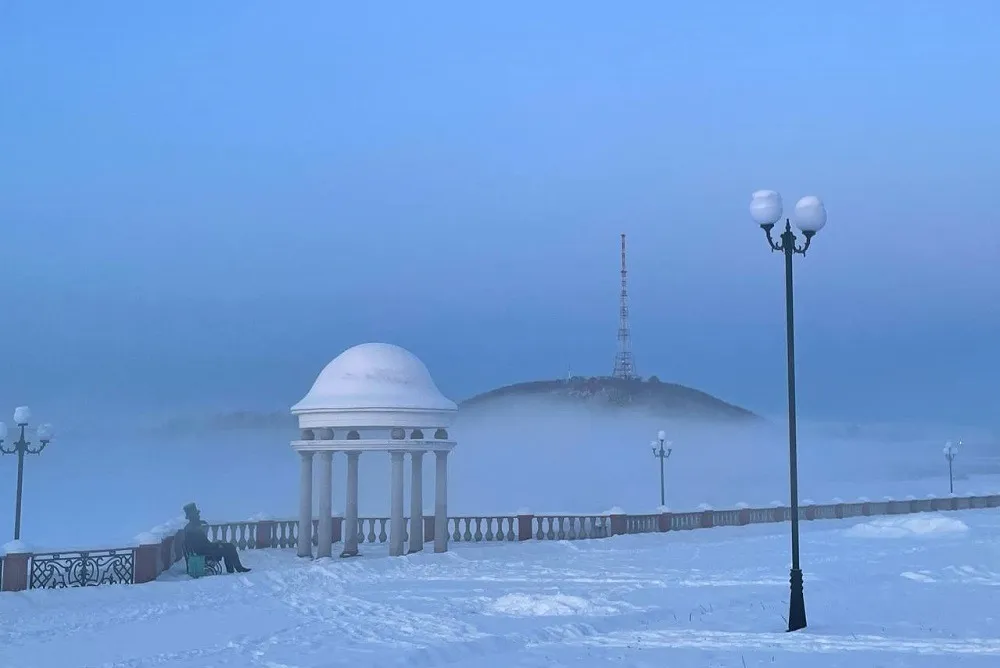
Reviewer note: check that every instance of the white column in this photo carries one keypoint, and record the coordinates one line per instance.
(325, 538)
(441, 502)
(416, 501)
(350, 528)
(396, 520)
(305, 504)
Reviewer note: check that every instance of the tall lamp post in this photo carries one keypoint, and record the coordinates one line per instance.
(810, 217)
(662, 455)
(950, 452)
(22, 447)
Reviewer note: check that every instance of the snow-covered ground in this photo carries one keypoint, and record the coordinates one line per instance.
(917, 591)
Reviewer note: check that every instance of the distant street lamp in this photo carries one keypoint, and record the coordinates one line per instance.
(662, 455)
(950, 452)
(810, 217)
(21, 447)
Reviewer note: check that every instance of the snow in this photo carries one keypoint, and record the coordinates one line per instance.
(698, 599)
(903, 527)
(375, 375)
(16, 547)
(148, 538)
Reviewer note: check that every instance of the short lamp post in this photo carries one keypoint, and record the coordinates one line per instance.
(950, 452)
(810, 217)
(662, 455)
(21, 447)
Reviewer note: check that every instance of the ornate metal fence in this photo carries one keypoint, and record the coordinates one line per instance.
(81, 569)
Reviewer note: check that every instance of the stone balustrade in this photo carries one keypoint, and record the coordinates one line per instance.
(22, 567)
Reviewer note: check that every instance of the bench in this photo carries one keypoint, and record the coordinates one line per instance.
(198, 565)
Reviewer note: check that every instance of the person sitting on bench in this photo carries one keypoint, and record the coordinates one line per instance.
(196, 540)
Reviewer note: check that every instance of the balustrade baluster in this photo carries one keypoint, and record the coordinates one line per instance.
(489, 529)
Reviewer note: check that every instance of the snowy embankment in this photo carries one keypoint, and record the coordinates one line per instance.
(912, 591)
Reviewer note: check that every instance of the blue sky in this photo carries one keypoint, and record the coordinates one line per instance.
(204, 202)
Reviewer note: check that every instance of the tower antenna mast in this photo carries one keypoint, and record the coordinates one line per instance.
(624, 364)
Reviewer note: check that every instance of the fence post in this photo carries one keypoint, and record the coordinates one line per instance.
(264, 534)
(16, 561)
(619, 524)
(524, 521)
(707, 519)
(663, 521)
(167, 552)
(743, 518)
(147, 555)
(866, 508)
(338, 527)
(428, 528)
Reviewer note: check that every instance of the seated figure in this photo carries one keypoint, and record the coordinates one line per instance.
(196, 541)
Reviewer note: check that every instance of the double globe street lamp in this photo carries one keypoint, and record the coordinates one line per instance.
(21, 447)
(662, 455)
(809, 217)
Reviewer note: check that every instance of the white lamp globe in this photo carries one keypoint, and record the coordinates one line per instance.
(765, 207)
(661, 435)
(810, 214)
(3, 431)
(45, 432)
(22, 415)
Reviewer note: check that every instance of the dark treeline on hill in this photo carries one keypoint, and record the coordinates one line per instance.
(659, 398)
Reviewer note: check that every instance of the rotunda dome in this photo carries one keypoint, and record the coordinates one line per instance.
(375, 376)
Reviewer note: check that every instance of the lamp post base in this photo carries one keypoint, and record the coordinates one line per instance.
(797, 602)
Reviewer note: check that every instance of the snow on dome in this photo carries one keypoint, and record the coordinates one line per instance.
(375, 376)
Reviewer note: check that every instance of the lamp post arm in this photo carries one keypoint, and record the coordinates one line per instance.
(770, 239)
(34, 451)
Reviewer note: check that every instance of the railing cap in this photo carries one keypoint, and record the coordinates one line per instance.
(523, 511)
(614, 510)
(742, 504)
(663, 509)
(16, 547)
(704, 506)
(260, 517)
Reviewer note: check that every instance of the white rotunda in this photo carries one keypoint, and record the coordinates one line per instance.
(374, 397)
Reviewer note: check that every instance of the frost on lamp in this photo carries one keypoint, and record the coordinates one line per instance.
(662, 435)
(810, 214)
(22, 415)
(765, 207)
